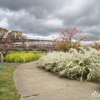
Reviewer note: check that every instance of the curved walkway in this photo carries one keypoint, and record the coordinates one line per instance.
(34, 83)
(13, 64)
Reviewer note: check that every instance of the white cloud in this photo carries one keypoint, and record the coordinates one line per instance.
(74, 7)
(4, 23)
(53, 22)
(46, 17)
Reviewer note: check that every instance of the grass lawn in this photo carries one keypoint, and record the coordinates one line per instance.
(7, 86)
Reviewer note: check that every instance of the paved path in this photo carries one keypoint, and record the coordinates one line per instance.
(34, 83)
(13, 64)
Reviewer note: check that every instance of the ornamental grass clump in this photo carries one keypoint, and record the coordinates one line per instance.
(22, 57)
(82, 65)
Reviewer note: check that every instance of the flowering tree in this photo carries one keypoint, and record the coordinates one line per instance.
(96, 44)
(43, 46)
(6, 44)
(3, 33)
(7, 41)
(64, 41)
(23, 39)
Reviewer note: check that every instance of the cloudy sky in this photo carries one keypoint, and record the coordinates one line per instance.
(46, 17)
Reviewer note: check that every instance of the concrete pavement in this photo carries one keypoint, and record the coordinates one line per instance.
(12, 64)
(34, 83)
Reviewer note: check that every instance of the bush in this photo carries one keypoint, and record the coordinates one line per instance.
(73, 64)
(22, 57)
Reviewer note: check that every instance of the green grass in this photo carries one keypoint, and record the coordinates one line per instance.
(7, 86)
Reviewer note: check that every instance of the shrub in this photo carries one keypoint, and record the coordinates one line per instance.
(22, 57)
(73, 64)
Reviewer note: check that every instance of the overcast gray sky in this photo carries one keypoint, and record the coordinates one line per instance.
(46, 17)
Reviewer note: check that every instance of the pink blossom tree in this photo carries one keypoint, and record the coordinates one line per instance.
(6, 44)
(23, 39)
(95, 45)
(7, 41)
(64, 41)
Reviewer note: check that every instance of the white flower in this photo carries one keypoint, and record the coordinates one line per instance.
(74, 64)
